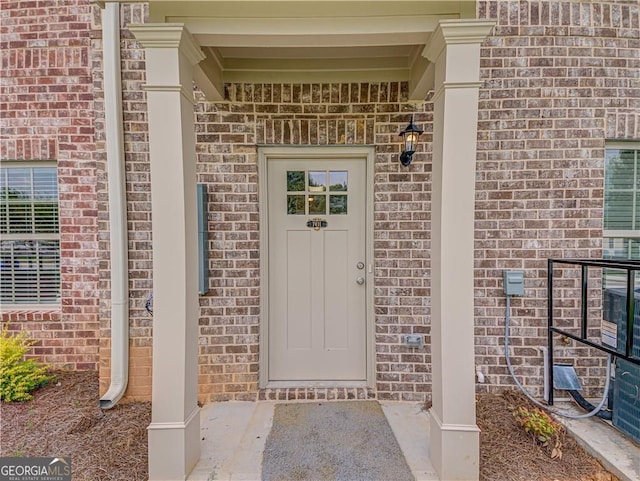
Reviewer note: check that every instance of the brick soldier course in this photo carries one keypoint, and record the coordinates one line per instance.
(558, 80)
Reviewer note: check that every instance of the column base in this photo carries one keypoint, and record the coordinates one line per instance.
(455, 450)
(174, 448)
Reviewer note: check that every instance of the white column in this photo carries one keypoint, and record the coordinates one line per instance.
(174, 441)
(455, 51)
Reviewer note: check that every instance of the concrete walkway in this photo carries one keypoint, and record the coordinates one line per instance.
(616, 452)
(234, 436)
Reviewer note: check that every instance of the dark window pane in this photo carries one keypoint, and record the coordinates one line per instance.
(46, 217)
(618, 212)
(295, 180)
(295, 205)
(29, 200)
(317, 204)
(4, 189)
(338, 204)
(20, 217)
(4, 218)
(29, 271)
(29, 267)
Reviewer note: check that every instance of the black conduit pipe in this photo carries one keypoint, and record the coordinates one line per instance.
(587, 406)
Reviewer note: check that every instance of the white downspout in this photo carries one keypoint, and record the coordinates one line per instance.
(117, 206)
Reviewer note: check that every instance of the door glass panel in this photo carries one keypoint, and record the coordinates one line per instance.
(317, 204)
(317, 181)
(295, 204)
(295, 180)
(338, 180)
(313, 183)
(337, 204)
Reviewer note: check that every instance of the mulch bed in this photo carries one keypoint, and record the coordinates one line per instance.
(64, 419)
(508, 453)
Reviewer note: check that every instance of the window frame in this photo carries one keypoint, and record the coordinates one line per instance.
(613, 278)
(622, 233)
(33, 236)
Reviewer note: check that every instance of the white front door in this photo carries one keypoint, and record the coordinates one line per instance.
(317, 269)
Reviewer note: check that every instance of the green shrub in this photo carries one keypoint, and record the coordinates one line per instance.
(19, 376)
(542, 428)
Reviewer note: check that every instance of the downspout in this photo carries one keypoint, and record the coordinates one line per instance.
(117, 206)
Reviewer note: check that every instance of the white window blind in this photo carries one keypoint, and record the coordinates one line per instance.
(622, 190)
(621, 208)
(29, 231)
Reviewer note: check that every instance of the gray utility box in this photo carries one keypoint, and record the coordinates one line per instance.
(513, 283)
(626, 391)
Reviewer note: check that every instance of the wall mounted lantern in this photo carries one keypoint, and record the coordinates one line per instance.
(410, 138)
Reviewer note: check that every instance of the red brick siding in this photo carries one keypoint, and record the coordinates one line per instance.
(47, 109)
(558, 79)
(315, 114)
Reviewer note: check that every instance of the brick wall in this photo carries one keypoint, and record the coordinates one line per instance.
(227, 134)
(47, 114)
(559, 78)
(310, 114)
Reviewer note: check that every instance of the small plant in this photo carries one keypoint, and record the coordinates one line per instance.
(19, 453)
(19, 376)
(542, 428)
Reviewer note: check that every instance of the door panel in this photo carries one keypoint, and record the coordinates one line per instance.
(317, 309)
(336, 289)
(298, 279)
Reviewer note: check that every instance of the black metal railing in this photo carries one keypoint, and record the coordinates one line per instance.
(625, 352)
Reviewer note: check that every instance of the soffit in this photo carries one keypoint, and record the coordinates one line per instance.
(312, 40)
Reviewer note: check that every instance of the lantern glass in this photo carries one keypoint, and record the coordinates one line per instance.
(410, 137)
(410, 141)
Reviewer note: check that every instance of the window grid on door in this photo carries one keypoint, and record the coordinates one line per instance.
(317, 192)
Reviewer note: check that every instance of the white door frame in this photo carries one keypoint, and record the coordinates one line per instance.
(265, 153)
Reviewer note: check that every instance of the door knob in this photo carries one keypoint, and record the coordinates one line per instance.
(360, 280)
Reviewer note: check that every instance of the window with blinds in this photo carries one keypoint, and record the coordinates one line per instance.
(622, 190)
(621, 207)
(29, 234)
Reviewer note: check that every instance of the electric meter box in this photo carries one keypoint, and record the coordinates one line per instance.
(513, 283)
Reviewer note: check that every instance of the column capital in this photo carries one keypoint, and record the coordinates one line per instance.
(456, 32)
(169, 35)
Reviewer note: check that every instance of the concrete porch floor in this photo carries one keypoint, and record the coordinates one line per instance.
(233, 436)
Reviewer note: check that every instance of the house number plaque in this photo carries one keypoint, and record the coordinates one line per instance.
(316, 223)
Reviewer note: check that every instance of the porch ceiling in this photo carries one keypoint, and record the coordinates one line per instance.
(311, 40)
